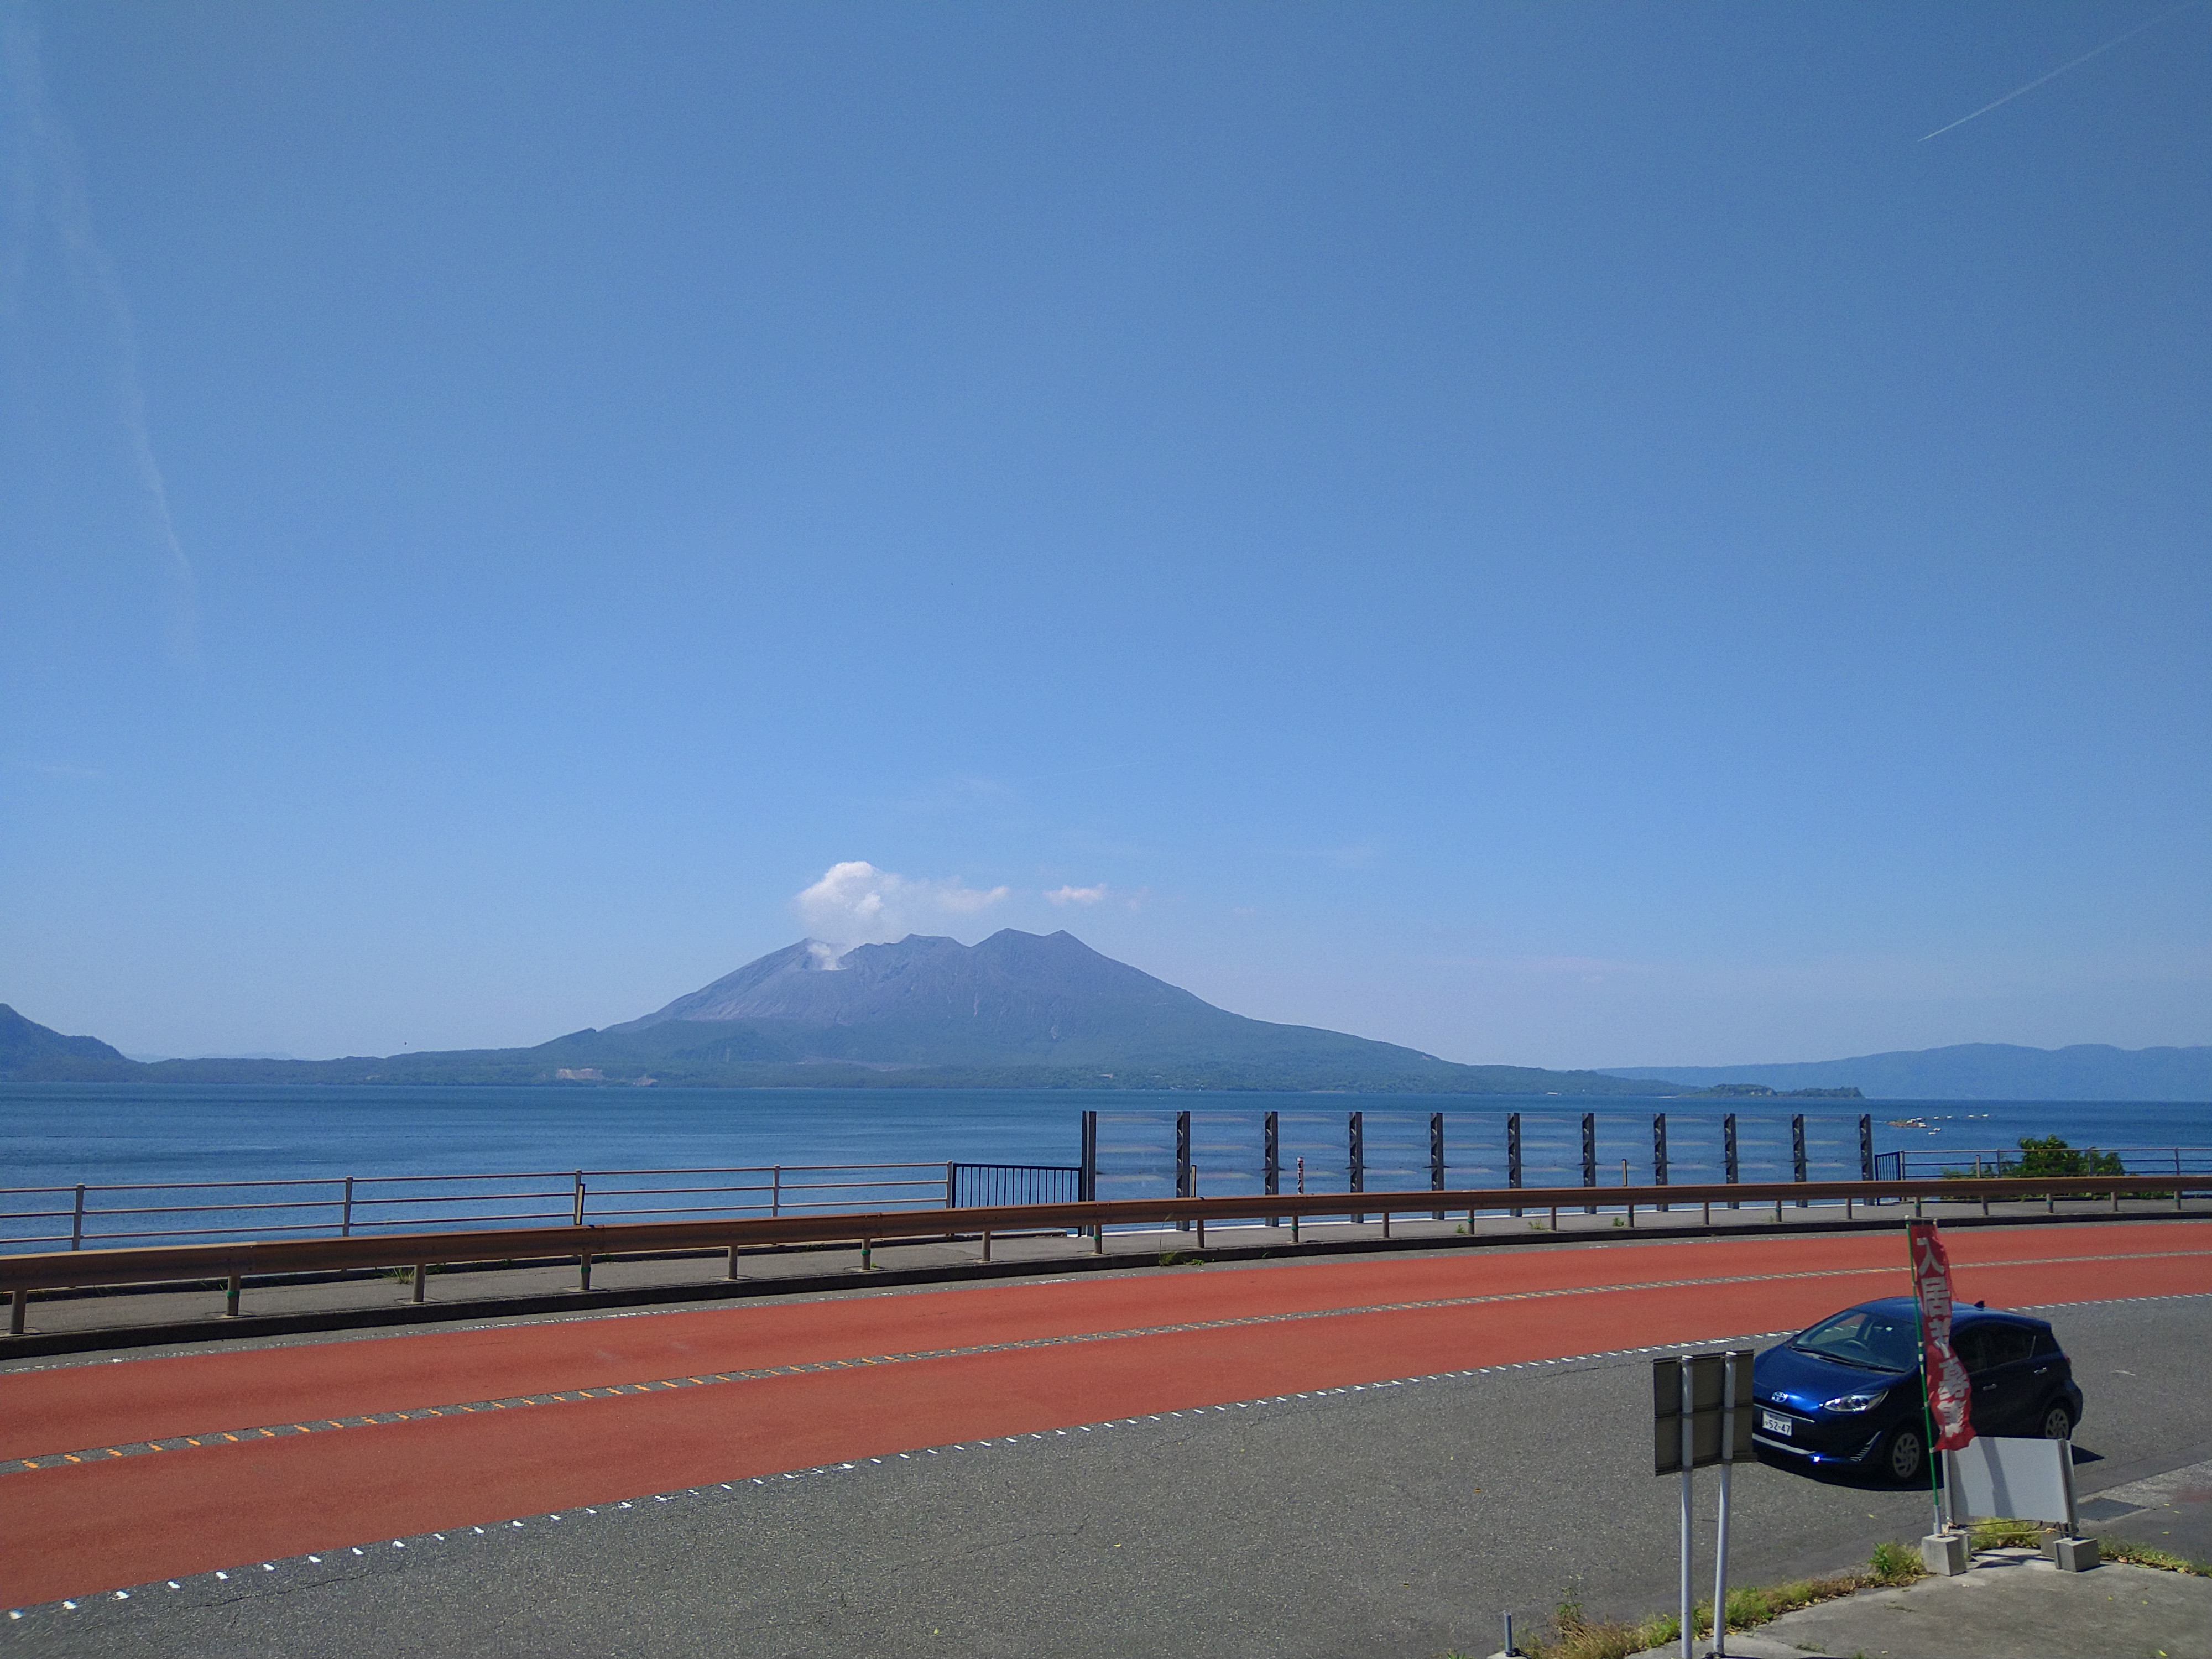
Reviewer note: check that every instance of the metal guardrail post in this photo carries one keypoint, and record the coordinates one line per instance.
(230, 1296)
(1088, 1182)
(346, 1214)
(1659, 1151)
(76, 1220)
(1797, 1149)
(775, 1189)
(952, 1186)
(1590, 1156)
(1729, 1156)
(1866, 1147)
(1512, 1155)
(1435, 1159)
(580, 1201)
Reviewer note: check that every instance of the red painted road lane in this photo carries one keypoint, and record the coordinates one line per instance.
(70, 1408)
(78, 1530)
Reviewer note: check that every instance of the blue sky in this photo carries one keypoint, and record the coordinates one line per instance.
(1568, 535)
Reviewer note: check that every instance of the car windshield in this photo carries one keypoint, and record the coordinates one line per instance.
(1861, 1336)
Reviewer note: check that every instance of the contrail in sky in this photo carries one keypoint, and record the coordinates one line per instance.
(45, 163)
(2061, 69)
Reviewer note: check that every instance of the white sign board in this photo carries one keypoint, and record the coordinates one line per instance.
(2016, 1479)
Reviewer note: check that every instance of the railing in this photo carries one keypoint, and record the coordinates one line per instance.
(1014, 1184)
(22, 1275)
(1134, 1154)
(2172, 1161)
(344, 1207)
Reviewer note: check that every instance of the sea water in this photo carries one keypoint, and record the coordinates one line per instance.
(58, 1134)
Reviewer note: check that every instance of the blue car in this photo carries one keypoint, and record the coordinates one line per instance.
(1845, 1394)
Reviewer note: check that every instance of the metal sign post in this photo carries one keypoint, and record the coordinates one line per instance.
(1728, 1369)
(1701, 1417)
(1688, 1371)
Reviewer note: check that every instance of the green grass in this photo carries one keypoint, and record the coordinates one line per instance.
(2143, 1555)
(1576, 1635)
(2010, 1535)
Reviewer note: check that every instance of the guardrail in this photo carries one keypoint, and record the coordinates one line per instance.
(22, 1275)
(344, 1206)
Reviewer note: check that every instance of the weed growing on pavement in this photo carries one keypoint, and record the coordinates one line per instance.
(1577, 1635)
(2006, 1535)
(2143, 1555)
(1896, 1564)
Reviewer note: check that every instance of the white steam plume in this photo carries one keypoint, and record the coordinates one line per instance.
(855, 903)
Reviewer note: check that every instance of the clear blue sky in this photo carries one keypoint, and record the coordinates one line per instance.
(1560, 534)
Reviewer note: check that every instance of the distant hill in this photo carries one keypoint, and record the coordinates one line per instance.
(1976, 1071)
(1016, 1011)
(28, 1049)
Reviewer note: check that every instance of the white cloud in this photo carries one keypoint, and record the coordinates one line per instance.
(855, 903)
(1077, 895)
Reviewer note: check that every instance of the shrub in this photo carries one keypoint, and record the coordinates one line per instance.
(2052, 1156)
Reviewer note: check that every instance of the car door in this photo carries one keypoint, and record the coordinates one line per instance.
(1967, 1341)
(2004, 1392)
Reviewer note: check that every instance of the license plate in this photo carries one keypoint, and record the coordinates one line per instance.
(1775, 1424)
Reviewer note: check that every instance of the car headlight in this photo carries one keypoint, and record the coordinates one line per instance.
(1855, 1402)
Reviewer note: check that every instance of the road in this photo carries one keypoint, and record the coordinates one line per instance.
(1194, 1460)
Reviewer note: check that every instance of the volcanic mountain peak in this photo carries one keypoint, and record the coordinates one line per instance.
(1011, 978)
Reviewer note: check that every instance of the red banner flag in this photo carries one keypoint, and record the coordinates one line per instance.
(1949, 1391)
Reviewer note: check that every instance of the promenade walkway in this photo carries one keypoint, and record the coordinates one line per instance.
(145, 1471)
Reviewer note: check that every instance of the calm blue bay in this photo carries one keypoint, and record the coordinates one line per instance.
(56, 1135)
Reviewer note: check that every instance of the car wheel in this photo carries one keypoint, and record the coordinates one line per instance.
(1904, 1456)
(2057, 1422)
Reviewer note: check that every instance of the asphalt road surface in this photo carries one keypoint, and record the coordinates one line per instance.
(1005, 1470)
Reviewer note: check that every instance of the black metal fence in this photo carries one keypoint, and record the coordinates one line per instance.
(1142, 1155)
(1016, 1183)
